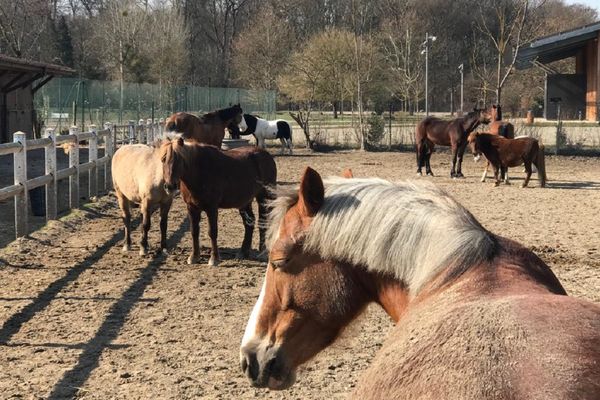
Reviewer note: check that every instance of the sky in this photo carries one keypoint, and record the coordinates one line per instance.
(592, 3)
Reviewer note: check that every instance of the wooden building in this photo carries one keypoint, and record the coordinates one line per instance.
(19, 80)
(579, 92)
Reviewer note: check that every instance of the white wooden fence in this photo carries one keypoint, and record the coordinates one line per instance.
(143, 132)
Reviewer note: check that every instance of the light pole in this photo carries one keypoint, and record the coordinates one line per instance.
(425, 51)
(461, 68)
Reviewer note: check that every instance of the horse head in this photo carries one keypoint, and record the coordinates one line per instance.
(473, 142)
(305, 302)
(243, 125)
(172, 163)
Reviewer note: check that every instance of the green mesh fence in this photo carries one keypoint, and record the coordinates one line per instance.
(63, 102)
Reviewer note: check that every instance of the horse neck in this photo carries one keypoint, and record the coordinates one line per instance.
(470, 124)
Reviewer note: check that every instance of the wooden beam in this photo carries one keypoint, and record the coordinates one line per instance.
(12, 81)
(42, 83)
(22, 84)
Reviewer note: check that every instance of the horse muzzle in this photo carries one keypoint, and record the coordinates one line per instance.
(266, 367)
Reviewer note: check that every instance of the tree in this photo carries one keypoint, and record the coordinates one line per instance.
(23, 24)
(64, 42)
(261, 51)
(505, 24)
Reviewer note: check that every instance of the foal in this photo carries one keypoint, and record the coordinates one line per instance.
(210, 178)
(503, 153)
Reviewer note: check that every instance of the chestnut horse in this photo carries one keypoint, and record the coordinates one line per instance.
(454, 133)
(210, 178)
(478, 316)
(208, 128)
(498, 127)
(503, 153)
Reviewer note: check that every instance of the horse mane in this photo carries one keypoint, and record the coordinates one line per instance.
(409, 230)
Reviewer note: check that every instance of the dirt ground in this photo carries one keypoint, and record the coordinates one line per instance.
(79, 318)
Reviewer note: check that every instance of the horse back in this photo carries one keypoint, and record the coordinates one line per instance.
(438, 131)
(137, 173)
(528, 346)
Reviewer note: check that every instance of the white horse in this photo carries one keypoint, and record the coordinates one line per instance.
(263, 129)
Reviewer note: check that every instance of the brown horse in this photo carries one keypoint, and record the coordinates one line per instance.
(497, 126)
(503, 153)
(138, 179)
(478, 316)
(211, 178)
(209, 128)
(454, 133)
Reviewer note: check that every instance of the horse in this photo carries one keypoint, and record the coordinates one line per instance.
(208, 128)
(477, 316)
(431, 131)
(137, 177)
(498, 127)
(503, 153)
(211, 178)
(263, 129)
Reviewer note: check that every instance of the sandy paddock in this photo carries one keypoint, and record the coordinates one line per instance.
(79, 318)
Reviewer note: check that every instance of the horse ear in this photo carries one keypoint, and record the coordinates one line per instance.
(312, 193)
(347, 173)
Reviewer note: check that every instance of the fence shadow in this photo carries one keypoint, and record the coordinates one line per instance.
(72, 380)
(13, 324)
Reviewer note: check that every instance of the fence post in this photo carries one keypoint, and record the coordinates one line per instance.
(150, 132)
(50, 156)
(20, 176)
(108, 151)
(131, 132)
(141, 131)
(74, 162)
(92, 157)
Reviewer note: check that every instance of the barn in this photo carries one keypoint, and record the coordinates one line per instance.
(19, 81)
(577, 93)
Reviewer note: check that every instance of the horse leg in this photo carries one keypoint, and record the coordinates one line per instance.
(213, 231)
(496, 173)
(194, 216)
(420, 154)
(248, 219)
(454, 157)
(283, 145)
(506, 181)
(146, 222)
(528, 171)
(164, 214)
(289, 145)
(263, 212)
(485, 171)
(124, 205)
(461, 153)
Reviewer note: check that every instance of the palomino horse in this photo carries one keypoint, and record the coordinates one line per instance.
(503, 153)
(137, 176)
(498, 127)
(211, 178)
(263, 129)
(209, 128)
(432, 131)
(478, 316)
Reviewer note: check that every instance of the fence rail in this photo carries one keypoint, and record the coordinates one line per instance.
(111, 137)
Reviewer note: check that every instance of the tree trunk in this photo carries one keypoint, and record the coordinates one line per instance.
(303, 121)
(335, 109)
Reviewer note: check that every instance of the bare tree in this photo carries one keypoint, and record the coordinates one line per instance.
(505, 24)
(22, 26)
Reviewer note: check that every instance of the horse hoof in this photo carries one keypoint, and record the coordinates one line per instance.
(213, 262)
(430, 173)
(419, 173)
(507, 183)
(496, 184)
(459, 175)
(483, 180)
(193, 260)
(126, 248)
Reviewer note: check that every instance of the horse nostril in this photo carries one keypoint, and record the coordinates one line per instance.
(249, 365)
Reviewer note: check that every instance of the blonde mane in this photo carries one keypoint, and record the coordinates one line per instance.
(407, 229)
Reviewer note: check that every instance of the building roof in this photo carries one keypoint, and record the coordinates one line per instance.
(557, 46)
(17, 73)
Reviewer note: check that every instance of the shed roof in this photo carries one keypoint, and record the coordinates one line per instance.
(17, 73)
(557, 46)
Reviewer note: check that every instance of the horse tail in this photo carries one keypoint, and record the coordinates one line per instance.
(541, 166)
